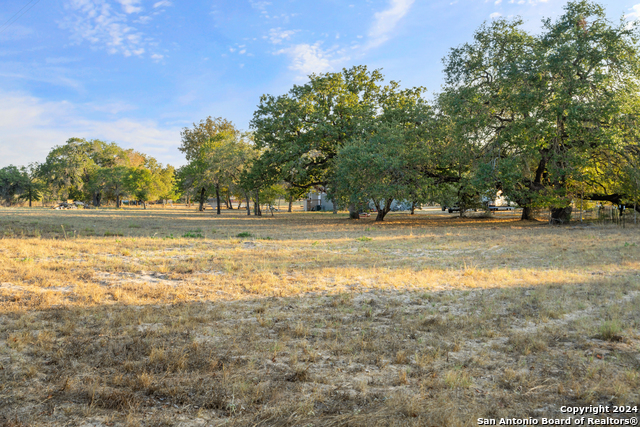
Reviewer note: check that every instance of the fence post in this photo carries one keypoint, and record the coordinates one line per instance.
(581, 207)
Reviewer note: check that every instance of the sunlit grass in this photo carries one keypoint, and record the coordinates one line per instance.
(143, 317)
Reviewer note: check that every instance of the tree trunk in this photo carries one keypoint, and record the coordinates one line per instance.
(561, 215)
(229, 204)
(29, 201)
(201, 207)
(290, 203)
(188, 201)
(246, 196)
(383, 211)
(144, 204)
(218, 198)
(239, 204)
(118, 201)
(413, 208)
(527, 214)
(353, 214)
(256, 207)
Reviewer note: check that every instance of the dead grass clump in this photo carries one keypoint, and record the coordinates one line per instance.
(458, 378)
(402, 357)
(527, 343)
(119, 400)
(11, 422)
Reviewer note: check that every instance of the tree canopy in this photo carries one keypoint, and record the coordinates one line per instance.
(551, 114)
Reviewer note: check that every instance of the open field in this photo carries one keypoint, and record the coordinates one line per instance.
(176, 317)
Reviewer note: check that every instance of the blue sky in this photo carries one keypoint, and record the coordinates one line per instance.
(136, 71)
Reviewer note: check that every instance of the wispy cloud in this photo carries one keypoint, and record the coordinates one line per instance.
(634, 14)
(162, 3)
(53, 72)
(103, 26)
(130, 6)
(311, 58)
(259, 5)
(277, 35)
(307, 58)
(385, 21)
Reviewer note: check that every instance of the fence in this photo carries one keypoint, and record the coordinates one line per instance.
(601, 214)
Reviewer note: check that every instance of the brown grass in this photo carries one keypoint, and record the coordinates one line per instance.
(114, 318)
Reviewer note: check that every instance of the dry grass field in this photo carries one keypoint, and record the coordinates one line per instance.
(173, 317)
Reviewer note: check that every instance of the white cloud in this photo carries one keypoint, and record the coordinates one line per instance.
(143, 20)
(162, 3)
(157, 57)
(634, 14)
(387, 20)
(30, 127)
(130, 6)
(259, 5)
(277, 35)
(98, 23)
(308, 59)
(495, 15)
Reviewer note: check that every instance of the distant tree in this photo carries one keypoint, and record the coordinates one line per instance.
(75, 169)
(112, 182)
(149, 182)
(12, 184)
(381, 168)
(139, 184)
(32, 186)
(68, 168)
(215, 164)
(193, 139)
(301, 132)
(293, 193)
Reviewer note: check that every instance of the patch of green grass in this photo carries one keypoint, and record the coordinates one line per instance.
(112, 234)
(610, 330)
(244, 234)
(135, 226)
(364, 239)
(265, 238)
(196, 234)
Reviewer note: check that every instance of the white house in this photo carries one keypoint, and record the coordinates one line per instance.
(317, 201)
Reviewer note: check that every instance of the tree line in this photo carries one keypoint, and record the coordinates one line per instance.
(92, 171)
(543, 118)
